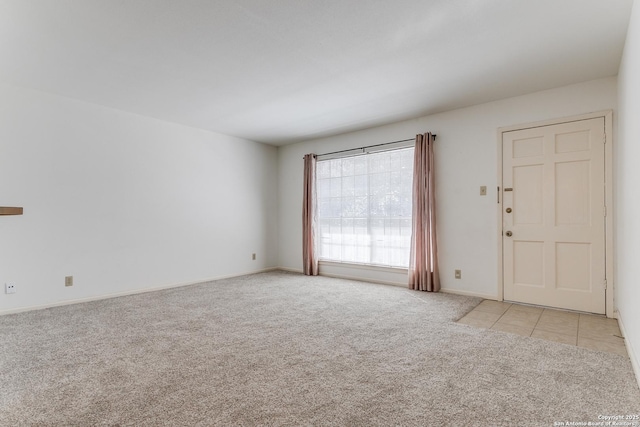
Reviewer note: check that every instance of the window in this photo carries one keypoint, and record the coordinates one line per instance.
(364, 208)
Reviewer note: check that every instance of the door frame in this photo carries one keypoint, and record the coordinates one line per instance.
(608, 191)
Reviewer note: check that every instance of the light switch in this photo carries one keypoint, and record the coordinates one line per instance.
(483, 190)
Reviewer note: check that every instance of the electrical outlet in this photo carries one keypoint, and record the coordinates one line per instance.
(9, 288)
(253, 257)
(458, 274)
(68, 281)
(483, 190)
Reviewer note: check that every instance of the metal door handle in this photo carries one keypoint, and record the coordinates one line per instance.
(509, 234)
(6, 210)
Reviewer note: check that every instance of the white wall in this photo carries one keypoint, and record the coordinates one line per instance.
(123, 202)
(466, 152)
(627, 200)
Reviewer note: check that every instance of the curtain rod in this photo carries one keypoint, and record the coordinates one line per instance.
(371, 146)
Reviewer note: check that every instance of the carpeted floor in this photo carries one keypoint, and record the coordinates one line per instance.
(283, 349)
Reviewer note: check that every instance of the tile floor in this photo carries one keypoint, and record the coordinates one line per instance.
(583, 330)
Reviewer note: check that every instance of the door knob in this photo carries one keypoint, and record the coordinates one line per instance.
(509, 234)
(508, 210)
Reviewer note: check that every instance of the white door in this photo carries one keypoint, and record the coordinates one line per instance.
(554, 215)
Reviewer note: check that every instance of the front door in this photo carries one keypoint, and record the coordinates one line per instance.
(554, 215)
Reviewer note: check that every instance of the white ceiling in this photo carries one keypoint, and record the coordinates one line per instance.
(282, 71)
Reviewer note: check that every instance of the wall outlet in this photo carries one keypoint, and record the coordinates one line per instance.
(9, 288)
(458, 274)
(253, 257)
(483, 190)
(68, 281)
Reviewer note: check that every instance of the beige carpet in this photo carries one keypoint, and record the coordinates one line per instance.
(283, 349)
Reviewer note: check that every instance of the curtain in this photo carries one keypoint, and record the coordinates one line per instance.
(309, 209)
(423, 261)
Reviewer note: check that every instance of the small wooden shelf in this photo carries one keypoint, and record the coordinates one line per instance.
(5, 210)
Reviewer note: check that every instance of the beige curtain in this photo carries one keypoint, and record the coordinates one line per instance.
(423, 262)
(309, 255)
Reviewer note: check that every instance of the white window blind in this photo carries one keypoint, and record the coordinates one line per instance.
(364, 208)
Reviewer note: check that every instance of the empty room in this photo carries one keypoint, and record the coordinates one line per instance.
(252, 213)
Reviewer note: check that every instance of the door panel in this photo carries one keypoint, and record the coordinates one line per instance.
(528, 203)
(556, 253)
(573, 261)
(528, 263)
(573, 193)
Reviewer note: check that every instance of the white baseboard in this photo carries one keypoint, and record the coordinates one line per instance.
(469, 294)
(360, 279)
(125, 293)
(290, 270)
(633, 356)
(345, 276)
(402, 285)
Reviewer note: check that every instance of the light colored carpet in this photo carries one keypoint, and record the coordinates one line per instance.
(283, 349)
